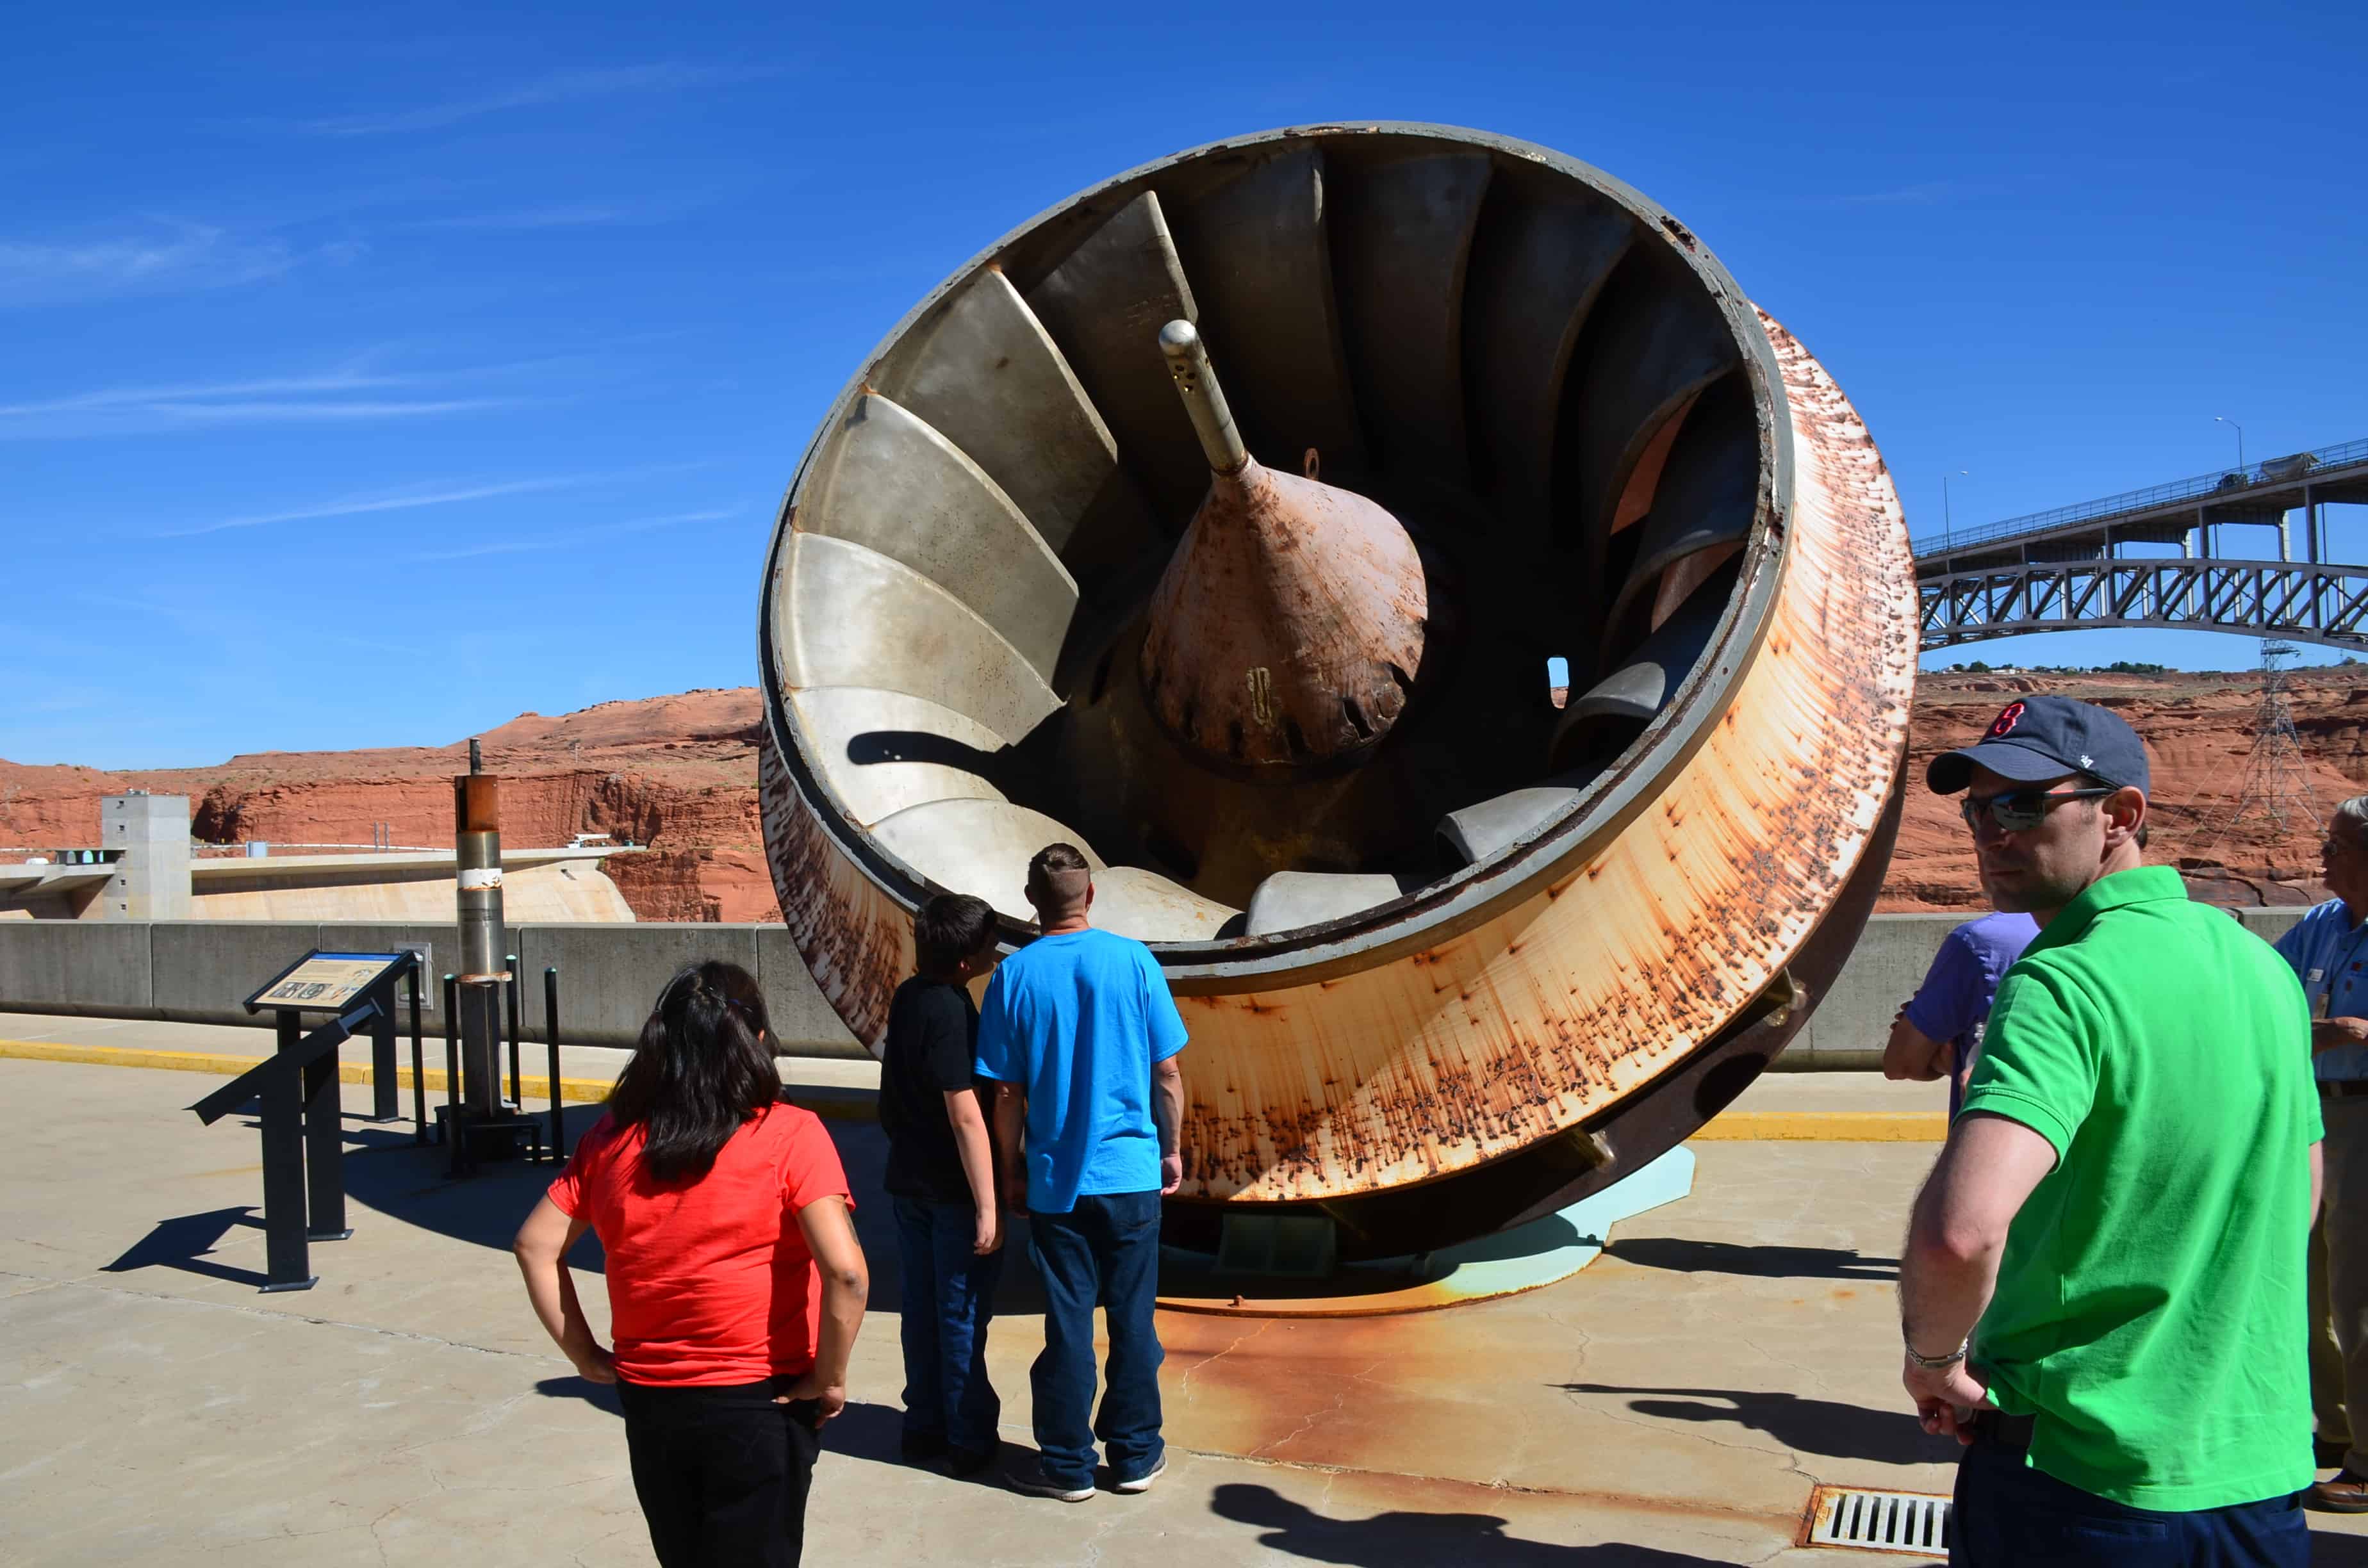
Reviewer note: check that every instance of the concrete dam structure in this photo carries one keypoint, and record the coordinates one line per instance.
(1221, 521)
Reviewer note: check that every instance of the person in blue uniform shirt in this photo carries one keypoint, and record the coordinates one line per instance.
(2330, 953)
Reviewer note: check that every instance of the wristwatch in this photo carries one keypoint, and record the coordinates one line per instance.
(1935, 1363)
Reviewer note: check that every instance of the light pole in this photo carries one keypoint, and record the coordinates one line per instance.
(2224, 419)
(1948, 523)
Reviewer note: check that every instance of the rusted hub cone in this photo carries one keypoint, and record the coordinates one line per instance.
(1288, 628)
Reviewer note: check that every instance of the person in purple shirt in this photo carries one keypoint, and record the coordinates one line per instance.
(1938, 1031)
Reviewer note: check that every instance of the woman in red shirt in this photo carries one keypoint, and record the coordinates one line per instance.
(735, 1283)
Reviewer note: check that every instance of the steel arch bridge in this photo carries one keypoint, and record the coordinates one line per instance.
(2067, 569)
(2304, 602)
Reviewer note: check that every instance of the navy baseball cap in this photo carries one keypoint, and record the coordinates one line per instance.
(2043, 737)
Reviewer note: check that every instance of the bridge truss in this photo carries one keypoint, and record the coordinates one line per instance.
(2304, 601)
(2073, 569)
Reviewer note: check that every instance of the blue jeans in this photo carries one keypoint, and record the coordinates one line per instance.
(949, 1295)
(2011, 1515)
(1105, 1252)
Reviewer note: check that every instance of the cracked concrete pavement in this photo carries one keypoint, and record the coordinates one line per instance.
(1671, 1404)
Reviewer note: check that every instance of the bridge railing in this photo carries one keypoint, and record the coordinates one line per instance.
(2224, 481)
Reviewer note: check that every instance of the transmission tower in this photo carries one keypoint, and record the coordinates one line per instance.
(2276, 791)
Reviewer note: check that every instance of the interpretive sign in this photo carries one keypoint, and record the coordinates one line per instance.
(325, 981)
(303, 1117)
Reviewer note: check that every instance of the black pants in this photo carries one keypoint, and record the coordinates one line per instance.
(722, 1471)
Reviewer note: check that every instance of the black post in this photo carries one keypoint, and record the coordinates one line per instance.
(386, 1095)
(418, 1061)
(325, 1148)
(551, 1033)
(287, 1262)
(517, 1038)
(454, 1137)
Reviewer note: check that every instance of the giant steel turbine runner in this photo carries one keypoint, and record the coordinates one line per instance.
(1220, 521)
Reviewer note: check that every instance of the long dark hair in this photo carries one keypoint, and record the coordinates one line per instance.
(702, 1067)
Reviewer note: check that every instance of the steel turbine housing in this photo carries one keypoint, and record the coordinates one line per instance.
(1452, 956)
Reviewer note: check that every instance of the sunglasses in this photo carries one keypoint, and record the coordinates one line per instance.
(2019, 811)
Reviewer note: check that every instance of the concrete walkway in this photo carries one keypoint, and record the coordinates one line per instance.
(1672, 1405)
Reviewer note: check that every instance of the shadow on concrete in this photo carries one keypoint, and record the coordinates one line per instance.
(388, 1172)
(875, 1433)
(2330, 1550)
(393, 1176)
(1400, 1540)
(1823, 1427)
(1760, 1262)
(861, 1431)
(183, 1244)
(599, 1396)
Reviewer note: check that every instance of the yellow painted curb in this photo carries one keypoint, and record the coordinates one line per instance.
(1735, 1126)
(838, 1105)
(570, 1089)
(1830, 1126)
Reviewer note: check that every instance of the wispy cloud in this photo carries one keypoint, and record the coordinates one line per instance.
(402, 500)
(328, 396)
(471, 553)
(565, 217)
(1928, 194)
(555, 88)
(312, 413)
(574, 536)
(168, 257)
(108, 398)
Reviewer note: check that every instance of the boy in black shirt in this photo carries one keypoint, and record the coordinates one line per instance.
(942, 1182)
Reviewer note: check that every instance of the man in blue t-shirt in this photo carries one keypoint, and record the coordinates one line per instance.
(1080, 1035)
(1939, 1030)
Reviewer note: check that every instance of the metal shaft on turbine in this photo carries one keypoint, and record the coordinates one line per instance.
(1204, 400)
(1288, 627)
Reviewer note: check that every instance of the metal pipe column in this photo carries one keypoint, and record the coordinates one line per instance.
(477, 811)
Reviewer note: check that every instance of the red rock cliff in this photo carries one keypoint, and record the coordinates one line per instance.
(678, 774)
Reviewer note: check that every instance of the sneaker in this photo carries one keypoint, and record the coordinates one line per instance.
(1133, 1484)
(2346, 1493)
(962, 1462)
(920, 1447)
(1032, 1480)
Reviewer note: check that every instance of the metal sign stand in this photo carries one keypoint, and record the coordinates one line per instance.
(304, 1136)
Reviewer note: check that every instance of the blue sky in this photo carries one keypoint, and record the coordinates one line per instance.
(374, 374)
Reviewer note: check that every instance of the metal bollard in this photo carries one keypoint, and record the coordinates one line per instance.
(454, 1137)
(418, 1064)
(517, 1037)
(551, 1033)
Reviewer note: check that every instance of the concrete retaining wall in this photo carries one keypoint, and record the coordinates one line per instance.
(1848, 1028)
(196, 971)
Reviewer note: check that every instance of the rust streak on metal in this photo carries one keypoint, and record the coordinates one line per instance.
(853, 937)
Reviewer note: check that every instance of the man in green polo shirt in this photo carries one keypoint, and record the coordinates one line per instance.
(2104, 1286)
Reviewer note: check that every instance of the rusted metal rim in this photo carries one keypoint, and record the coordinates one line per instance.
(1556, 1173)
(1588, 997)
(1449, 904)
(1478, 1049)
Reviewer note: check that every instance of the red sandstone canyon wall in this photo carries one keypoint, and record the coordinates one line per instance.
(678, 775)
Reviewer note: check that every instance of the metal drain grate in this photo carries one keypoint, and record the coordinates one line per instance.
(1916, 1523)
